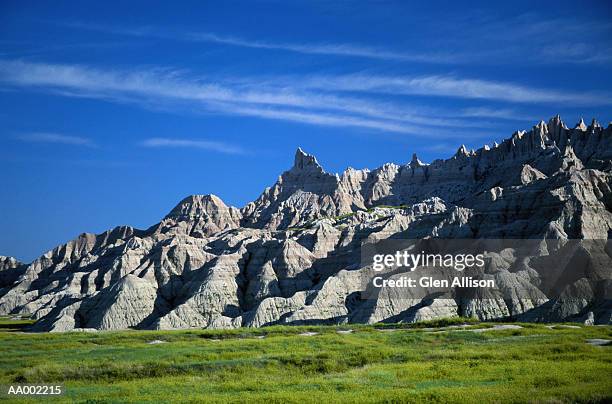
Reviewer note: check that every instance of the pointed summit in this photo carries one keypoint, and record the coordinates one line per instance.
(305, 161)
(594, 124)
(518, 134)
(556, 125)
(415, 162)
(462, 151)
(556, 122)
(581, 125)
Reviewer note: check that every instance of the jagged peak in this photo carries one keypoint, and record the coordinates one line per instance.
(415, 162)
(304, 160)
(9, 262)
(387, 167)
(541, 128)
(555, 121)
(352, 170)
(462, 151)
(581, 125)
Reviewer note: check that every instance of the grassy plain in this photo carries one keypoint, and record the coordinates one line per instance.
(401, 363)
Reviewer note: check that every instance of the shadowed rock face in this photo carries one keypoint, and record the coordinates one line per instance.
(10, 271)
(292, 256)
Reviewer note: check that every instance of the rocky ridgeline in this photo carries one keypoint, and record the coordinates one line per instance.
(292, 256)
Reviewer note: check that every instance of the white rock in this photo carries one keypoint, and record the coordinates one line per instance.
(292, 255)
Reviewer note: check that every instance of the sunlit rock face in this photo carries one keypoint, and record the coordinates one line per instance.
(292, 256)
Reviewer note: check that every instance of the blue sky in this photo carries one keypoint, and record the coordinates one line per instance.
(110, 113)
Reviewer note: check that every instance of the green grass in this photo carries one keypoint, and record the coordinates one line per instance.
(340, 218)
(403, 363)
(9, 324)
(387, 207)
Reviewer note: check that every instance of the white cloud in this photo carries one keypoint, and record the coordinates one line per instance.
(166, 84)
(334, 49)
(255, 97)
(533, 39)
(368, 102)
(502, 113)
(331, 49)
(219, 147)
(56, 138)
(448, 86)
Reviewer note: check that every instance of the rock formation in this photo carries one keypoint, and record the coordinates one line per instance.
(10, 271)
(293, 255)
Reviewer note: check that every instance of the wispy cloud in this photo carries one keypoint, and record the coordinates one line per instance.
(352, 50)
(501, 113)
(533, 39)
(449, 86)
(214, 146)
(56, 138)
(494, 38)
(330, 49)
(537, 39)
(359, 101)
(160, 87)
